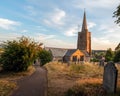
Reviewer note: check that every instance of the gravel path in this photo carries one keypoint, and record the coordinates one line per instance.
(34, 85)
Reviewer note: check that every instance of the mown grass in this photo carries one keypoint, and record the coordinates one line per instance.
(76, 80)
(8, 80)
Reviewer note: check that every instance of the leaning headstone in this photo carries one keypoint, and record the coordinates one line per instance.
(110, 77)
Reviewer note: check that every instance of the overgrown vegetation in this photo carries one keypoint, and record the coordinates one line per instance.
(6, 87)
(117, 14)
(62, 78)
(44, 56)
(109, 56)
(18, 55)
(117, 56)
(77, 80)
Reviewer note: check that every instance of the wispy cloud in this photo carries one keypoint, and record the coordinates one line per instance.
(71, 31)
(102, 43)
(94, 4)
(108, 38)
(91, 25)
(8, 24)
(31, 10)
(9, 36)
(43, 37)
(24, 31)
(52, 41)
(59, 43)
(56, 17)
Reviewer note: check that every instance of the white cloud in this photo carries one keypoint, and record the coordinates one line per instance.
(24, 31)
(8, 24)
(109, 37)
(52, 41)
(91, 25)
(95, 4)
(102, 43)
(31, 10)
(71, 31)
(9, 36)
(43, 37)
(56, 17)
(110, 31)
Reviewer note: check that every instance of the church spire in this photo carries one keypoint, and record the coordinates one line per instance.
(84, 25)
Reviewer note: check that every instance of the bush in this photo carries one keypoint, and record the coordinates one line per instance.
(18, 55)
(76, 68)
(86, 90)
(109, 55)
(117, 56)
(94, 60)
(44, 56)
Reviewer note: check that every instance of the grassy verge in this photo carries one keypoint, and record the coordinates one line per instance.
(8, 80)
(77, 80)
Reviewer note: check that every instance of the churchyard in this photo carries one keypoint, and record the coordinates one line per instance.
(83, 79)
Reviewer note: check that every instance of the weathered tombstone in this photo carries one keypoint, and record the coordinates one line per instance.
(110, 77)
(101, 63)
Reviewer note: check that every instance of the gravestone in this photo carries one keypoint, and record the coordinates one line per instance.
(110, 77)
(101, 63)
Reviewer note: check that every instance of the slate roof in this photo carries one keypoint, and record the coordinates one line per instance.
(70, 52)
(60, 52)
(85, 52)
(57, 52)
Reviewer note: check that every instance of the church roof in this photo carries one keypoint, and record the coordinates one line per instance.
(86, 53)
(70, 52)
(61, 52)
(57, 52)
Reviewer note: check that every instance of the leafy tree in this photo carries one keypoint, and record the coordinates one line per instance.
(117, 14)
(18, 55)
(45, 57)
(117, 56)
(109, 55)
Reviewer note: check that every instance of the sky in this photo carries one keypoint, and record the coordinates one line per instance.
(56, 23)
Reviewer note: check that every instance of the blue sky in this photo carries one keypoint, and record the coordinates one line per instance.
(55, 22)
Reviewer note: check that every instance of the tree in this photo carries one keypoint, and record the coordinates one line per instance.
(109, 55)
(18, 55)
(117, 14)
(44, 56)
(117, 56)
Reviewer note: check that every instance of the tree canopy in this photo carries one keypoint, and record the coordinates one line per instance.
(18, 55)
(109, 55)
(44, 56)
(117, 14)
(117, 56)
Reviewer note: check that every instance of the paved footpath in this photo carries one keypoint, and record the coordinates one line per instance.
(34, 85)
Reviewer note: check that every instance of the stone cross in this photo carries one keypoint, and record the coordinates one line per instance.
(110, 77)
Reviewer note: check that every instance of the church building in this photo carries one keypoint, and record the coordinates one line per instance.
(81, 53)
(84, 37)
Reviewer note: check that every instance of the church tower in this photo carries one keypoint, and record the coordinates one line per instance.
(84, 37)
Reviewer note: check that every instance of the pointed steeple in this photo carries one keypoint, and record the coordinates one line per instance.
(84, 25)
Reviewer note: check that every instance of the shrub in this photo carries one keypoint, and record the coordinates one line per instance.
(94, 60)
(109, 55)
(86, 90)
(76, 68)
(18, 55)
(44, 56)
(117, 56)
